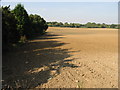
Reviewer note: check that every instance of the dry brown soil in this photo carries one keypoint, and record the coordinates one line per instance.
(65, 58)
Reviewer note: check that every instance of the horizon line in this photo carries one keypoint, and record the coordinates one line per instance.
(82, 23)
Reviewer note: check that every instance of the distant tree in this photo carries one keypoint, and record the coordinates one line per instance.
(88, 25)
(103, 25)
(66, 24)
(70, 25)
(113, 26)
(61, 24)
(78, 25)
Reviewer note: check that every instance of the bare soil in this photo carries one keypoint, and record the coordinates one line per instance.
(65, 58)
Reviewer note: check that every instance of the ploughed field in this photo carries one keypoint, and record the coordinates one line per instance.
(65, 58)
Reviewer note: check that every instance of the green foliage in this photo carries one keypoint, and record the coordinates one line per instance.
(22, 20)
(77, 25)
(113, 26)
(9, 33)
(18, 26)
(38, 24)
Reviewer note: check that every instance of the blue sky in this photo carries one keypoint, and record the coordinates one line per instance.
(76, 12)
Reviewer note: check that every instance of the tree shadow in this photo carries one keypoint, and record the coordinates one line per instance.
(35, 63)
(49, 35)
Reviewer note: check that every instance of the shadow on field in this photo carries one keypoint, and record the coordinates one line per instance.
(35, 63)
(48, 35)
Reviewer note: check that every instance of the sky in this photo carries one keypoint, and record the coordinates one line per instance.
(72, 12)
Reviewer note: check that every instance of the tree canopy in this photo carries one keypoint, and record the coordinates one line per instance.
(78, 25)
(9, 32)
(17, 25)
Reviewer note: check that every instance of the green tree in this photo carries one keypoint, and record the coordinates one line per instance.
(88, 25)
(10, 34)
(39, 25)
(23, 24)
(66, 24)
(112, 26)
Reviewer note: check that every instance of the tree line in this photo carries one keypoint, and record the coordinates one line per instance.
(18, 26)
(78, 25)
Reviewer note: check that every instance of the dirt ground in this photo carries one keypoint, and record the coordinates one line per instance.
(65, 58)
